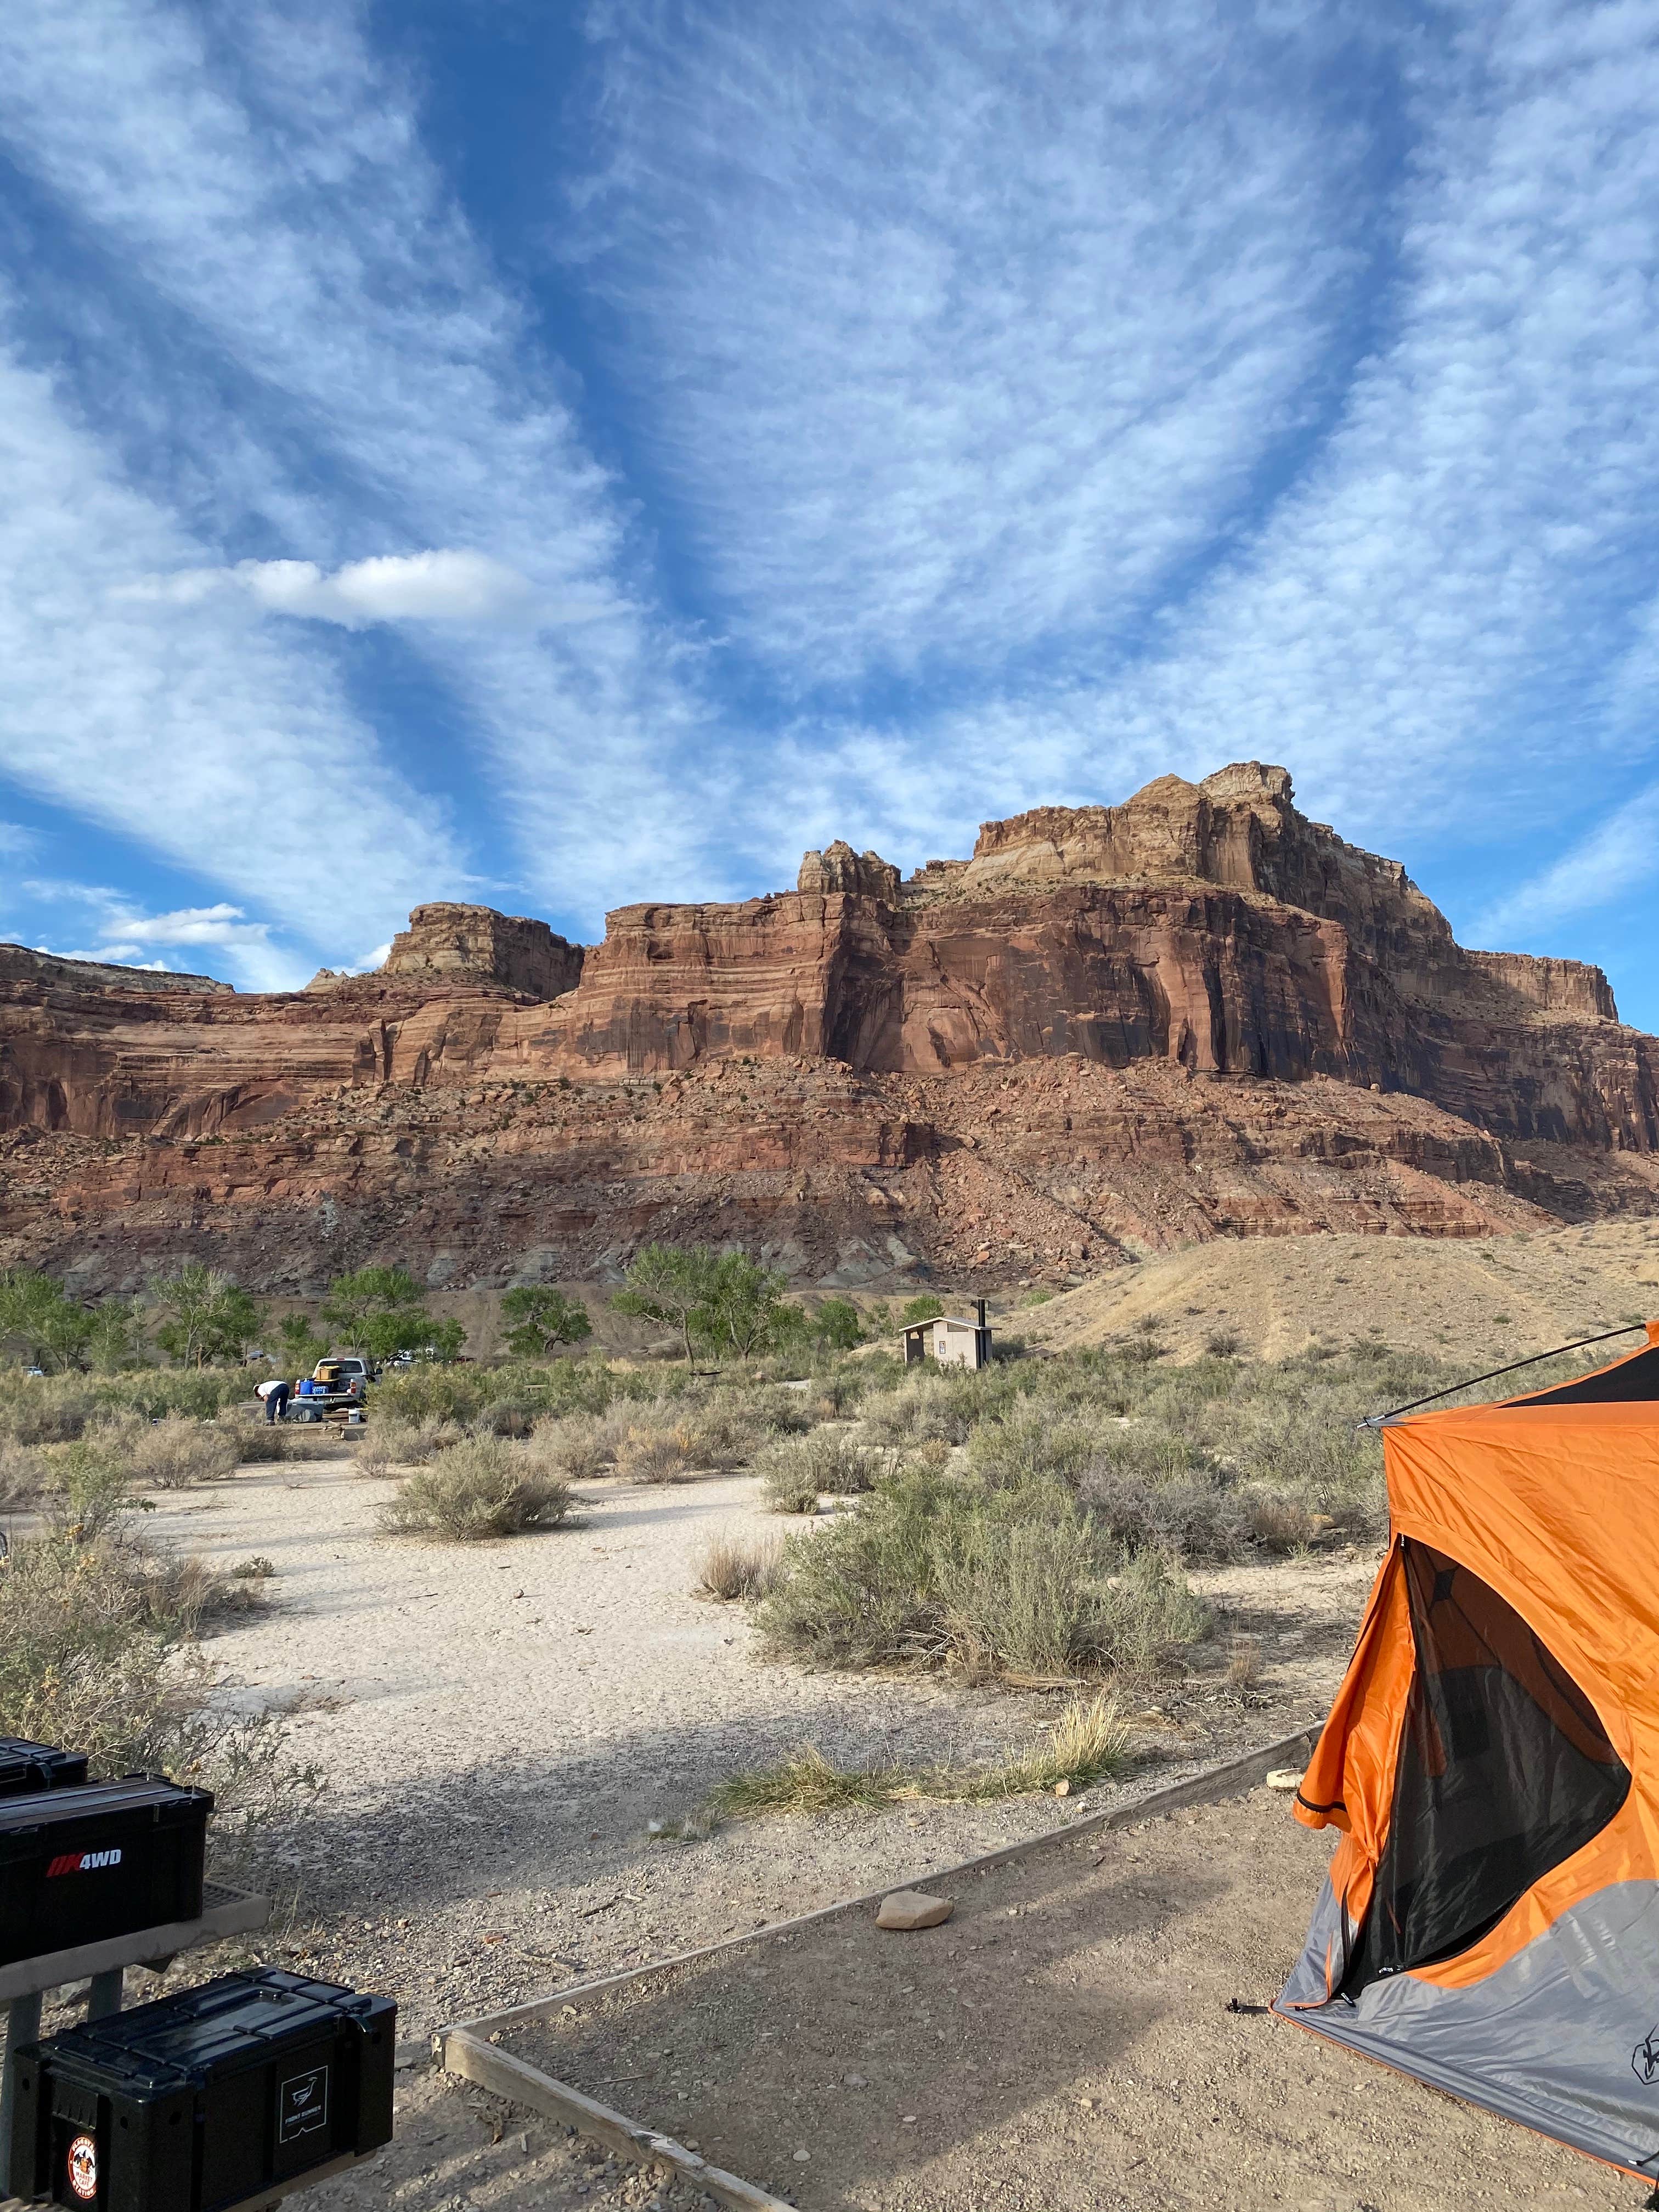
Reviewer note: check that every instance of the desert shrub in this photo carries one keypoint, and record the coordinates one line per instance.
(773, 1410)
(170, 1453)
(479, 1488)
(202, 1393)
(573, 1445)
(789, 1488)
(739, 1566)
(1032, 1442)
(97, 1649)
(261, 1442)
(860, 1592)
(825, 1460)
(652, 1454)
(935, 1404)
(1194, 1515)
(1224, 1343)
(505, 1417)
(1278, 1521)
(430, 1392)
(258, 1569)
(392, 1441)
(1150, 1614)
(24, 1475)
(44, 1409)
(1024, 1582)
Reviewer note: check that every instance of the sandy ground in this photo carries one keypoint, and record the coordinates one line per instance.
(498, 1724)
(1483, 1299)
(1069, 2039)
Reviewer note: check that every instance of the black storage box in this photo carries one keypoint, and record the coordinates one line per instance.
(203, 2100)
(79, 1865)
(25, 1767)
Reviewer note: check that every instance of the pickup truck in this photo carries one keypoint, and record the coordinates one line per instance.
(336, 1393)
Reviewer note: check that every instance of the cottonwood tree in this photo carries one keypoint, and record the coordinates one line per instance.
(744, 1310)
(45, 1328)
(379, 1310)
(542, 1318)
(672, 1283)
(206, 1315)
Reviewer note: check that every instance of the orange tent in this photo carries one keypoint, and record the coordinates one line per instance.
(1490, 1919)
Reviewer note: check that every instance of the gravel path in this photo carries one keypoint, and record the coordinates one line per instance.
(497, 1724)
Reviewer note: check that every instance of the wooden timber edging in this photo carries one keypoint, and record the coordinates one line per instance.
(467, 2048)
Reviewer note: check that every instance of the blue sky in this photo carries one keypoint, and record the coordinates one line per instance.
(559, 456)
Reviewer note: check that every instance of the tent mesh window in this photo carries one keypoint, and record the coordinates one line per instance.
(1504, 1771)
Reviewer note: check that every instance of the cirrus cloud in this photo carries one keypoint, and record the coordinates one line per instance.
(443, 586)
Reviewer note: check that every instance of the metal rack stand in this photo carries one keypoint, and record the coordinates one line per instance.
(25, 1981)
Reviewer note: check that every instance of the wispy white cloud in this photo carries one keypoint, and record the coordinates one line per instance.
(269, 186)
(1425, 625)
(437, 586)
(198, 737)
(1621, 855)
(960, 331)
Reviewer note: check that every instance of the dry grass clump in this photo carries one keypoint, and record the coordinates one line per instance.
(738, 1567)
(1091, 1742)
(480, 1487)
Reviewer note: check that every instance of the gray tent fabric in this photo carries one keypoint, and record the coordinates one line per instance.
(1563, 2039)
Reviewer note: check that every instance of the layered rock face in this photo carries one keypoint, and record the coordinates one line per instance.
(444, 940)
(1196, 1013)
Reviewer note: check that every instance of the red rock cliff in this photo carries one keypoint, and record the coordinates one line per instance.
(1194, 1013)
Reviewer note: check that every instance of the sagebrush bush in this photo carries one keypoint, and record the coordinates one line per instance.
(1194, 1515)
(826, 1459)
(573, 1444)
(932, 1405)
(480, 1487)
(392, 1441)
(97, 1650)
(1021, 1581)
(789, 1488)
(44, 1409)
(170, 1453)
(1032, 1442)
(261, 1442)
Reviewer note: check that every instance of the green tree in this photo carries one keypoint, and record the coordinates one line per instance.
(114, 1328)
(744, 1311)
(925, 1308)
(444, 1339)
(205, 1316)
(302, 1346)
(377, 1311)
(43, 1327)
(542, 1318)
(837, 1325)
(672, 1283)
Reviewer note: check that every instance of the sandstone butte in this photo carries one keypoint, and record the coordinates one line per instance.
(1114, 1029)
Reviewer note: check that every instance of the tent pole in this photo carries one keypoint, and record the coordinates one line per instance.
(1376, 1420)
